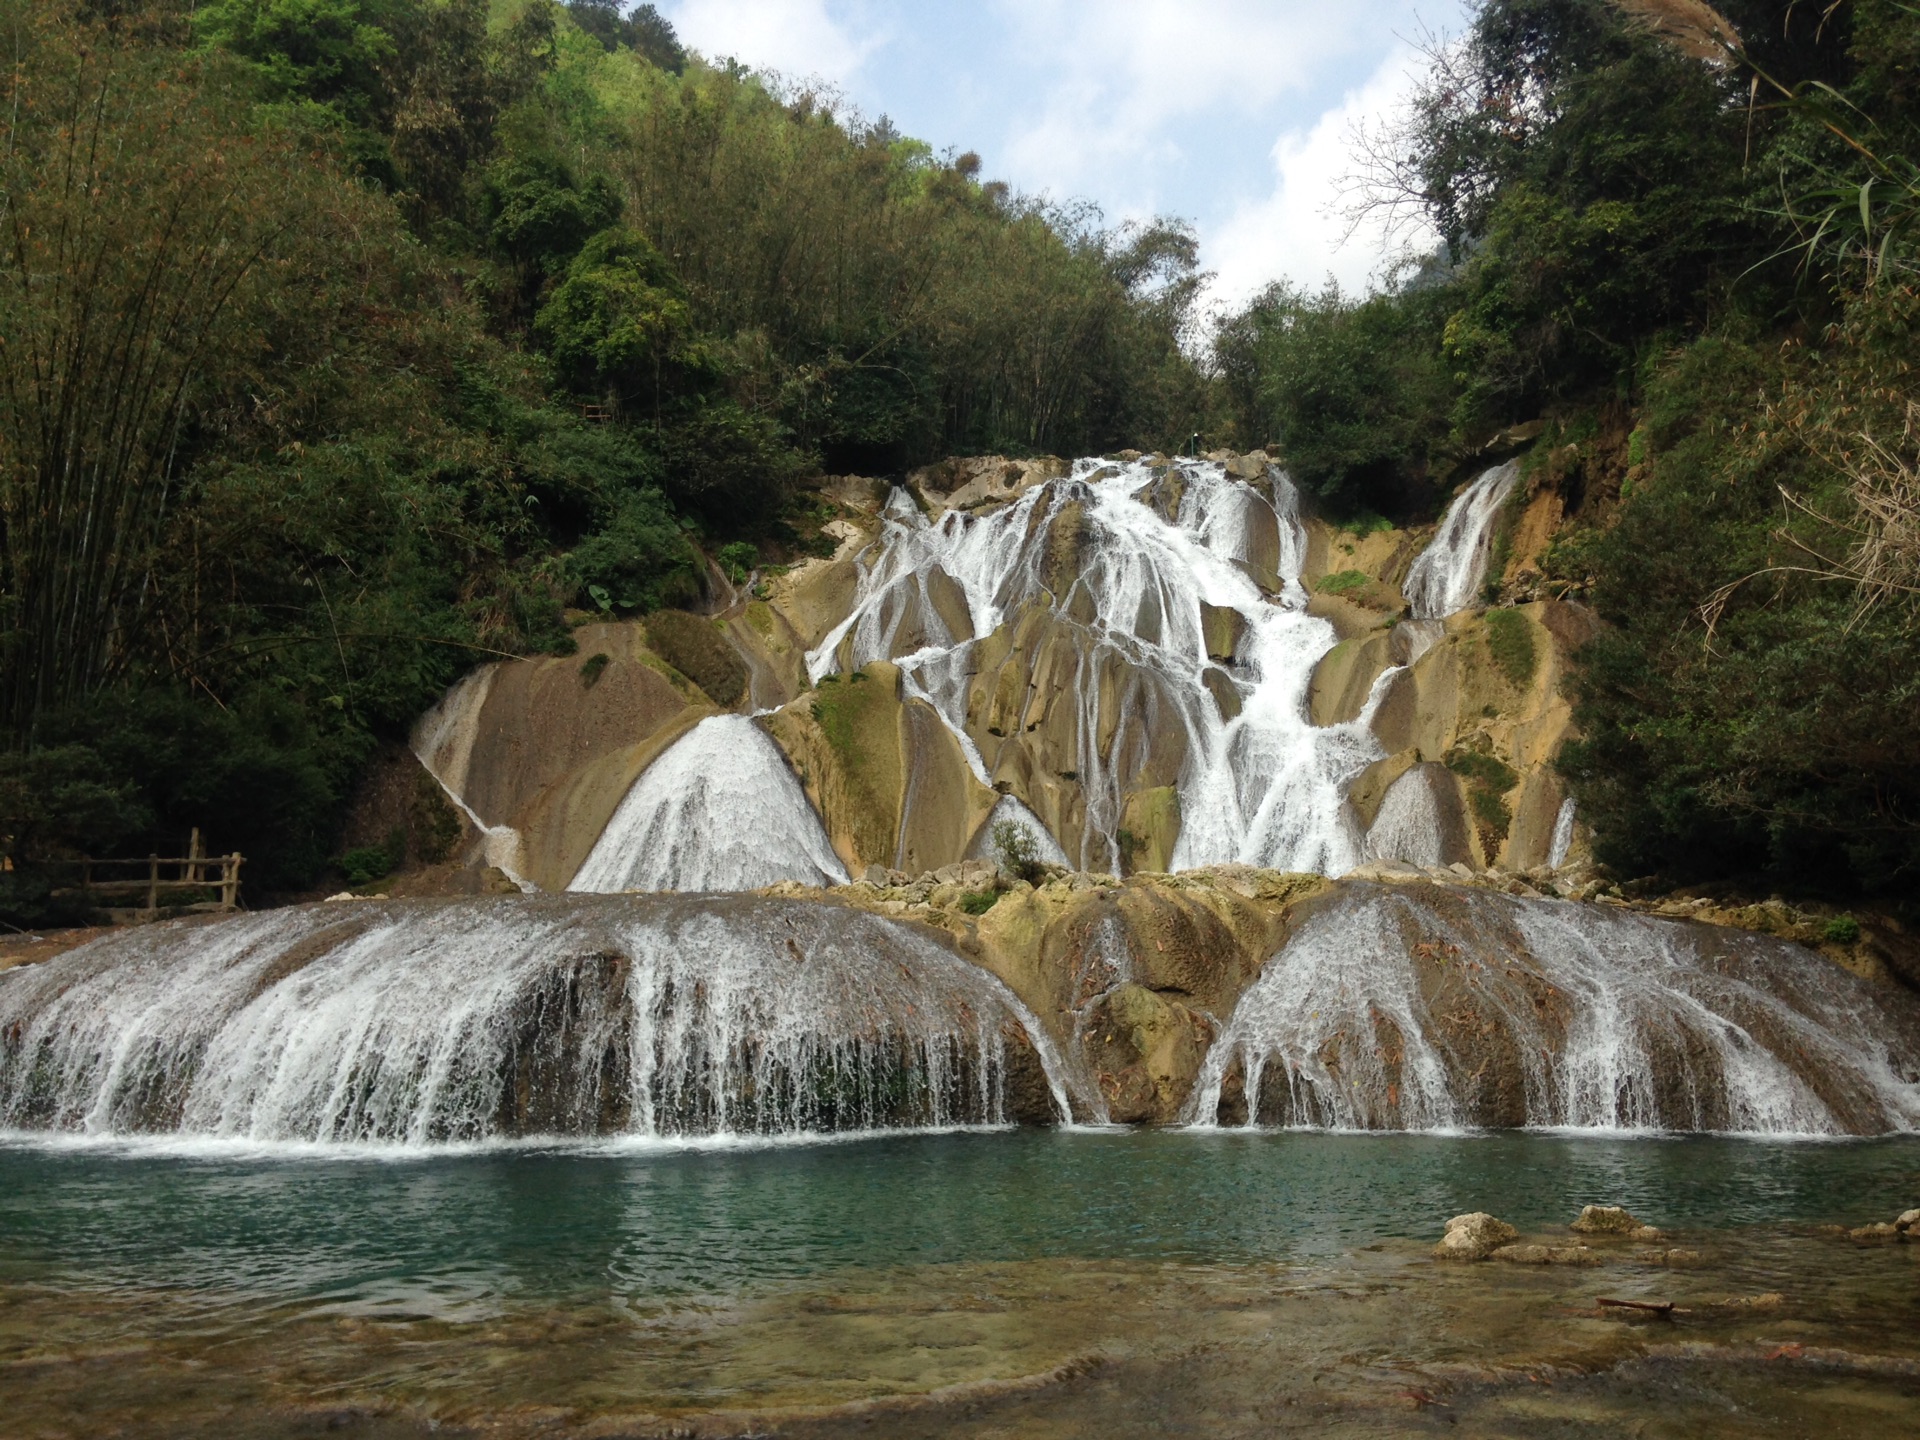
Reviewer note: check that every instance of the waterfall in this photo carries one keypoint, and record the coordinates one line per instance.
(1428, 1007)
(719, 810)
(1562, 835)
(1409, 824)
(1179, 629)
(1450, 571)
(422, 1022)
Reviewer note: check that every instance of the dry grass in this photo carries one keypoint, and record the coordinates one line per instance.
(1690, 26)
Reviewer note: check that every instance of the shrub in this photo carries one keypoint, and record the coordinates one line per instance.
(1843, 930)
(639, 560)
(369, 863)
(591, 671)
(1017, 848)
(738, 560)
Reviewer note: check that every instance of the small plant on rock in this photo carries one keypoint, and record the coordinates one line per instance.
(1843, 930)
(1019, 852)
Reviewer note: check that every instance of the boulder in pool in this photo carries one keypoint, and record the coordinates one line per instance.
(1606, 1220)
(1474, 1237)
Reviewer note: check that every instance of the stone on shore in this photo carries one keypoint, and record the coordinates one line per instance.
(1474, 1237)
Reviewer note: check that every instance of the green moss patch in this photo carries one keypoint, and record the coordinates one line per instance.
(1343, 583)
(1510, 642)
(696, 648)
(978, 902)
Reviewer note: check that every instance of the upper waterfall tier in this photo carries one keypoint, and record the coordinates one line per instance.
(719, 810)
(1449, 573)
(1431, 1008)
(1129, 650)
(425, 1022)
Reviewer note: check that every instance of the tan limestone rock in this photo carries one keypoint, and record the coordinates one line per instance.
(1474, 1237)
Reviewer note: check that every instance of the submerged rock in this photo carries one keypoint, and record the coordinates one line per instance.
(1546, 1255)
(1474, 1237)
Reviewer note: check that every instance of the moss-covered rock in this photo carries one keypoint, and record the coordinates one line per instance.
(697, 647)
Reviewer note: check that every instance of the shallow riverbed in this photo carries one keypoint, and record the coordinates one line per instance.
(1032, 1282)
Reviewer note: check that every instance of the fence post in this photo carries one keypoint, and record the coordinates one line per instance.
(153, 883)
(193, 870)
(230, 881)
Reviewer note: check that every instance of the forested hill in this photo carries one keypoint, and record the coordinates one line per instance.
(345, 344)
(348, 342)
(1678, 246)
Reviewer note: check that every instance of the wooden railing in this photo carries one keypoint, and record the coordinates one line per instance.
(157, 875)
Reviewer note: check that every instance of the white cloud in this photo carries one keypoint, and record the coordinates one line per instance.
(796, 37)
(1123, 72)
(1299, 231)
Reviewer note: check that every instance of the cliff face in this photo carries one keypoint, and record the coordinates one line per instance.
(1059, 702)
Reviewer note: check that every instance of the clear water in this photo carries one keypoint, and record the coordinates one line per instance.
(459, 1236)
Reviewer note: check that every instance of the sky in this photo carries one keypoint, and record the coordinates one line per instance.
(1236, 115)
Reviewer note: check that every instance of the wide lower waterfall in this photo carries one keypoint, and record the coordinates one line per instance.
(1426, 1007)
(429, 1021)
(720, 810)
(1448, 574)
(1179, 631)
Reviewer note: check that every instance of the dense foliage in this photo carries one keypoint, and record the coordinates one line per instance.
(1684, 240)
(346, 342)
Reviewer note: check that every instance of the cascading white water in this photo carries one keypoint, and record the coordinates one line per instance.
(1422, 1007)
(1449, 573)
(1408, 825)
(423, 1022)
(1562, 834)
(719, 810)
(1157, 552)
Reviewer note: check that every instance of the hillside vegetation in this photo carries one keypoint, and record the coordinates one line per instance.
(1681, 243)
(345, 344)
(350, 342)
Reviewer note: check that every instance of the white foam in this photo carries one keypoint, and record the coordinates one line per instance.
(719, 810)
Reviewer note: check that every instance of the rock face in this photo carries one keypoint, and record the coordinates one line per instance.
(1474, 1237)
(1043, 690)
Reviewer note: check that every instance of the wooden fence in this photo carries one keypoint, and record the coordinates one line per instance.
(157, 875)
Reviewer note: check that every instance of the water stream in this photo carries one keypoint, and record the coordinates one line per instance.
(720, 810)
(1178, 628)
(431, 1022)
(1447, 576)
(1428, 1007)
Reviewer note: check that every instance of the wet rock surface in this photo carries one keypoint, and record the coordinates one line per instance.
(1772, 1337)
